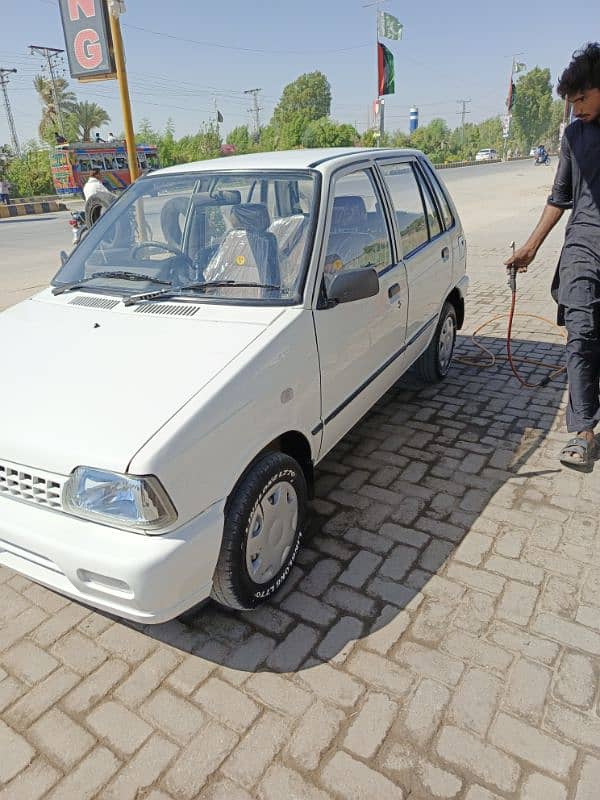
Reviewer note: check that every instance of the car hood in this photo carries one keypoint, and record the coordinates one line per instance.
(90, 386)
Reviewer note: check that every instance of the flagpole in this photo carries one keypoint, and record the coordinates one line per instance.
(380, 101)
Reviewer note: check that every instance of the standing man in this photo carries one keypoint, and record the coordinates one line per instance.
(4, 193)
(576, 284)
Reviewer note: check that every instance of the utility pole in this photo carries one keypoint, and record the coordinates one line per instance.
(52, 55)
(255, 111)
(11, 122)
(463, 114)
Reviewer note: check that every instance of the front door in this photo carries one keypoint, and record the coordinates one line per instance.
(360, 343)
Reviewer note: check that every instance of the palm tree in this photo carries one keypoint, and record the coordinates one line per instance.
(88, 116)
(66, 100)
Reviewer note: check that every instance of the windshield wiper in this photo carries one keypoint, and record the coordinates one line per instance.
(123, 275)
(181, 291)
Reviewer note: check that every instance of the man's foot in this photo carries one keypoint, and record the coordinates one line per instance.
(579, 451)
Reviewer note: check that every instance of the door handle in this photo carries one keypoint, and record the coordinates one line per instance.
(446, 253)
(393, 290)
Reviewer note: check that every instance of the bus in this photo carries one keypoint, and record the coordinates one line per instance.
(72, 164)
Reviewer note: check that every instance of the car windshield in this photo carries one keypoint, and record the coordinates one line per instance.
(248, 233)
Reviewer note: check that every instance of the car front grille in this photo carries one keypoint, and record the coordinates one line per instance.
(31, 486)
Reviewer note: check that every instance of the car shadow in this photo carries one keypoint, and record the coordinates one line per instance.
(393, 502)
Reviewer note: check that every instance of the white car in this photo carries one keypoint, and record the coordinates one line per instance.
(166, 400)
(487, 154)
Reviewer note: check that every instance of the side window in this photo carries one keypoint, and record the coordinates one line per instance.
(408, 206)
(358, 235)
(442, 200)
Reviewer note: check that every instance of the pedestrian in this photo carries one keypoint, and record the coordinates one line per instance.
(98, 139)
(58, 138)
(111, 137)
(4, 191)
(576, 284)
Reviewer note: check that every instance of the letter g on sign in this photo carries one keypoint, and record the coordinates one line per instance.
(88, 50)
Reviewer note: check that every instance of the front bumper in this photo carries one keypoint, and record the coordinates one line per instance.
(148, 579)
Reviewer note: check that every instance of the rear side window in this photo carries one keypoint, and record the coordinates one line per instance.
(408, 206)
(447, 214)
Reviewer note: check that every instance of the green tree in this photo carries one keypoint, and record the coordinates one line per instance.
(167, 145)
(240, 138)
(327, 133)
(86, 117)
(30, 175)
(551, 136)
(306, 99)
(50, 121)
(532, 109)
(146, 134)
(433, 139)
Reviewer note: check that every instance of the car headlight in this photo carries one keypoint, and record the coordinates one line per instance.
(138, 502)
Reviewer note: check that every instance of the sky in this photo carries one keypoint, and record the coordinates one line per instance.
(182, 55)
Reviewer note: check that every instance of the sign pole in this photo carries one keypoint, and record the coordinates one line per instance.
(115, 29)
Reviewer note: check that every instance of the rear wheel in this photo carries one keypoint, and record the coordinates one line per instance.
(264, 524)
(434, 364)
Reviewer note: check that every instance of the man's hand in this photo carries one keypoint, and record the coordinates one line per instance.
(522, 258)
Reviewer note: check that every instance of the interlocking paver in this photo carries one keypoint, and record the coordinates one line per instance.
(198, 760)
(257, 749)
(61, 739)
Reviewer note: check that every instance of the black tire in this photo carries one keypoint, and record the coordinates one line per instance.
(434, 364)
(233, 586)
(96, 206)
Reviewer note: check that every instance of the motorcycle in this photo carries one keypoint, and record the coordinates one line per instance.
(542, 159)
(77, 222)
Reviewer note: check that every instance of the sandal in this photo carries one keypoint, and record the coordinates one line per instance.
(578, 452)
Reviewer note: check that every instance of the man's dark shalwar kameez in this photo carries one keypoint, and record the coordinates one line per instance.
(576, 285)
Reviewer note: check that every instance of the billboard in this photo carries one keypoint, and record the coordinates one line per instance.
(87, 39)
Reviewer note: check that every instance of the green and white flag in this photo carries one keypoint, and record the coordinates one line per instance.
(388, 27)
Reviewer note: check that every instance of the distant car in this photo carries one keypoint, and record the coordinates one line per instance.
(533, 152)
(215, 334)
(488, 154)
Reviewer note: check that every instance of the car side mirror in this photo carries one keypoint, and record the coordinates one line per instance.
(351, 285)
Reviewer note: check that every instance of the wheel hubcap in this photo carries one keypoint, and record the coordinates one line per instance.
(271, 532)
(446, 344)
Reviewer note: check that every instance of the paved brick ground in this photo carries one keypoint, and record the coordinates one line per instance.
(439, 637)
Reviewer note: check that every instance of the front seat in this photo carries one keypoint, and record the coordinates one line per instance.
(349, 235)
(248, 253)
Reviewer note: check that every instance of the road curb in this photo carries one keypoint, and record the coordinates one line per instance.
(24, 209)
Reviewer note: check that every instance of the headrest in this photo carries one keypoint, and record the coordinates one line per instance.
(250, 217)
(228, 197)
(349, 212)
(222, 197)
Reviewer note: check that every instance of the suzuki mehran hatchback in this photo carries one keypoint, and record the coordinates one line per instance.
(166, 400)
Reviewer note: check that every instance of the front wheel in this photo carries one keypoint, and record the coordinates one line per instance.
(264, 523)
(434, 364)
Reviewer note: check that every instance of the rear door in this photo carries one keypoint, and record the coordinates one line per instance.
(425, 245)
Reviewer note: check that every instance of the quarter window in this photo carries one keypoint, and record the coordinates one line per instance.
(442, 200)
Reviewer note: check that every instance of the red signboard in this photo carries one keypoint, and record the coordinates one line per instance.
(87, 38)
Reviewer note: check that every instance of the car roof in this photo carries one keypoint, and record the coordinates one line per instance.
(311, 158)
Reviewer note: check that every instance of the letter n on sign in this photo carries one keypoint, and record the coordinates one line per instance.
(87, 39)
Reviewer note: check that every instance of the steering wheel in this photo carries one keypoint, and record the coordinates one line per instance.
(162, 246)
(177, 273)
